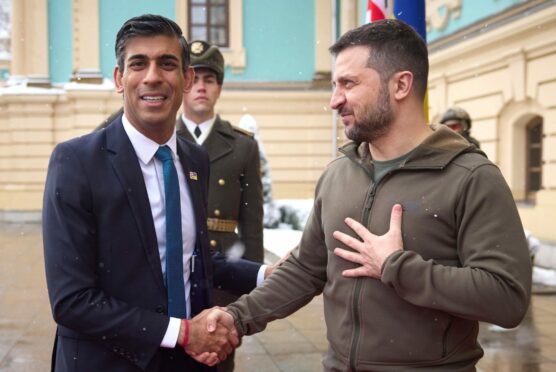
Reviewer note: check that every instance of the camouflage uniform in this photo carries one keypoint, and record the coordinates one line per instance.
(460, 117)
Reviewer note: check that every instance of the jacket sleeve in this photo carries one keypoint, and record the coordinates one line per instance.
(291, 286)
(71, 258)
(250, 224)
(236, 276)
(493, 283)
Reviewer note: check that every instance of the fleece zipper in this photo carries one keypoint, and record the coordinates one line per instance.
(369, 199)
(358, 284)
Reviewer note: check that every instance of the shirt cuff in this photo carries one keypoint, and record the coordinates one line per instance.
(171, 336)
(260, 275)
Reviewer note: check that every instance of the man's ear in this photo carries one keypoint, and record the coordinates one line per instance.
(118, 80)
(188, 76)
(403, 83)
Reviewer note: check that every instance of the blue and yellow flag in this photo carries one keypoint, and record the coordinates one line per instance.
(412, 12)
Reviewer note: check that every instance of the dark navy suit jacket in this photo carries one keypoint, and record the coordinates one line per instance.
(103, 269)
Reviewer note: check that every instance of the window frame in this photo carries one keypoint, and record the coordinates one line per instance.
(234, 54)
(208, 25)
(531, 170)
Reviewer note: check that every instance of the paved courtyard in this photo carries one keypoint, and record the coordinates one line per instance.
(295, 344)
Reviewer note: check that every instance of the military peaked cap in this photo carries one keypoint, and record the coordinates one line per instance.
(204, 55)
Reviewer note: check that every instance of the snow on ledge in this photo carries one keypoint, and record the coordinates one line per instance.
(22, 88)
(106, 85)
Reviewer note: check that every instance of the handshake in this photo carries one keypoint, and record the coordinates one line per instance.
(209, 337)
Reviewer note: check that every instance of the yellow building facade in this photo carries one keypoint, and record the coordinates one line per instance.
(505, 76)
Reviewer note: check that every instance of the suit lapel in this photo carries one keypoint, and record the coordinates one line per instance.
(181, 130)
(126, 166)
(194, 174)
(191, 169)
(219, 141)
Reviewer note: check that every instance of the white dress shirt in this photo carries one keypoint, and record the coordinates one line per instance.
(151, 167)
(205, 128)
(145, 148)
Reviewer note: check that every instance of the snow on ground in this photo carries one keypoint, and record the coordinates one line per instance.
(280, 241)
(544, 276)
(301, 207)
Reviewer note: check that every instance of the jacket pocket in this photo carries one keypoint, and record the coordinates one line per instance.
(396, 331)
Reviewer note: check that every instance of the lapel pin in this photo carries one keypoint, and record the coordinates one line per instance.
(193, 176)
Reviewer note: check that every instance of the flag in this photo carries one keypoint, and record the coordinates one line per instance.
(412, 12)
(376, 10)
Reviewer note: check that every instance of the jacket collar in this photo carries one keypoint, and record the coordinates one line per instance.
(436, 152)
(219, 142)
(223, 128)
(182, 131)
(219, 126)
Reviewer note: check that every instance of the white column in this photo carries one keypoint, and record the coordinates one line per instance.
(323, 40)
(30, 42)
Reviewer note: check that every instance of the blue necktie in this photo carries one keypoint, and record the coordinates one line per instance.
(174, 242)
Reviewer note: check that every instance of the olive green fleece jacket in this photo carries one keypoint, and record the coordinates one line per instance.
(465, 260)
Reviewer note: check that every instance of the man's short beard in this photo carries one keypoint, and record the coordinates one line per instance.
(376, 120)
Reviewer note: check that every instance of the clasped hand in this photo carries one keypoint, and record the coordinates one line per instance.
(372, 250)
(212, 336)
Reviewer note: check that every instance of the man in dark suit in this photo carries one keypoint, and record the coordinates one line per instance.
(235, 201)
(108, 231)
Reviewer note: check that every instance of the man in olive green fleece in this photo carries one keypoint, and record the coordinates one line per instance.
(414, 236)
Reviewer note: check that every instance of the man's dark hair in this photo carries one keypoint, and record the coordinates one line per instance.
(394, 46)
(149, 25)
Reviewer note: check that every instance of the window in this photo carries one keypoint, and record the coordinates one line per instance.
(209, 21)
(234, 52)
(534, 157)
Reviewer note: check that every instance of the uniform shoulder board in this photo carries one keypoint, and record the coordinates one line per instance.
(245, 132)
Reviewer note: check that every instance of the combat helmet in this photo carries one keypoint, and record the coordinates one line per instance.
(457, 114)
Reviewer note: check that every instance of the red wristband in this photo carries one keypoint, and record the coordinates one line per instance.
(185, 339)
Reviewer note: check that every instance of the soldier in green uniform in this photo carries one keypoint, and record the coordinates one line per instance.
(235, 201)
(458, 120)
(235, 191)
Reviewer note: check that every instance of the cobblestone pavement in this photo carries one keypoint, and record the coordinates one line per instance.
(294, 344)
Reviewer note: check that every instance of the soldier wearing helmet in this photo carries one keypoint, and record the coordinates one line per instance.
(458, 120)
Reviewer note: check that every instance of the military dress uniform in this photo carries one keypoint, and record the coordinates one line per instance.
(235, 202)
(235, 197)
